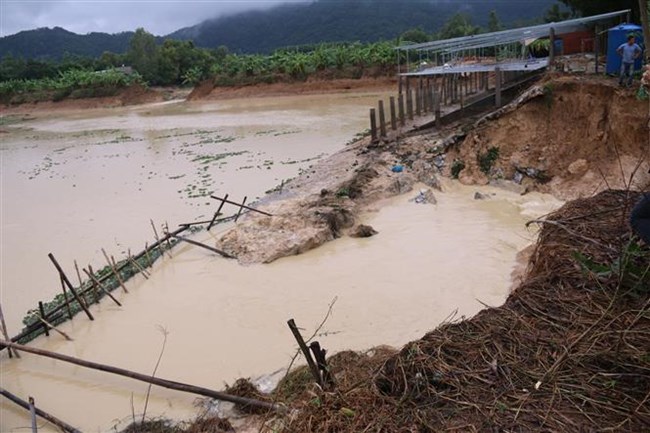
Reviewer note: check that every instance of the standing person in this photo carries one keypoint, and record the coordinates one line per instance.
(629, 51)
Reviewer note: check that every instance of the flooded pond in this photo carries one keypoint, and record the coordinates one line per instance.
(223, 320)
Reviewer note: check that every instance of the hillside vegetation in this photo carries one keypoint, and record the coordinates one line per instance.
(287, 25)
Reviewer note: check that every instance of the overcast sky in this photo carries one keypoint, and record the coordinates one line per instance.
(112, 16)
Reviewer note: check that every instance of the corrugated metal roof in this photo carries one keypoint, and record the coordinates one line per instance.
(510, 36)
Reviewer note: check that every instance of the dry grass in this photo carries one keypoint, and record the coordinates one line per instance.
(568, 351)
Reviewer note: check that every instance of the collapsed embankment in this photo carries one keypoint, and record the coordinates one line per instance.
(570, 136)
(576, 136)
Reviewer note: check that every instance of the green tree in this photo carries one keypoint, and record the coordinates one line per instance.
(494, 25)
(416, 36)
(143, 54)
(594, 7)
(554, 14)
(458, 25)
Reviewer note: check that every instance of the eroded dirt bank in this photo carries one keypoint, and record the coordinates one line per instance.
(570, 136)
(566, 352)
(575, 138)
(207, 90)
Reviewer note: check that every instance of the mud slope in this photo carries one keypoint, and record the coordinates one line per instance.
(566, 141)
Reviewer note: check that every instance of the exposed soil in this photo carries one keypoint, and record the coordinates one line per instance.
(207, 90)
(578, 136)
(132, 95)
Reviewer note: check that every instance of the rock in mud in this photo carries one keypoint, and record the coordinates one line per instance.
(425, 197)
(578, 167)
(426, 173)
(363, 231)
(518, 177)
(480, 196)
(402, 183)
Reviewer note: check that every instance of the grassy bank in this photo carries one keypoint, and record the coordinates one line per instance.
(72, 84)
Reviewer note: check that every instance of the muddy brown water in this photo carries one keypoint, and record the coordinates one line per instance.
(75, 183)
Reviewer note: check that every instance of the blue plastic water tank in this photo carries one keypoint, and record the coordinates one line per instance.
(617, 36)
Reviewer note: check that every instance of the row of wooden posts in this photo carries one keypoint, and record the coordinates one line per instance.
(429, 94)
(45, 321)
(317, 365)
(95, 287)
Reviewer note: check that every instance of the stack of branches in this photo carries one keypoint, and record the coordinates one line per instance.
(568, 351)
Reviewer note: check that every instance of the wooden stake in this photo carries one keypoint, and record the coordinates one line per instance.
(97, 283)
(305, 351)
(207, 247)
(382, 119)
(32, 413)
(373, 126)
(216, 214)
(241, 207)
(5, 333)
(319, 354)
(400, 108)
(137, 265)
(111, 264)
(393, 116)
(46, 328)
(497, 87)
(160, 247)
(81, 284)
(146, 252)
(49, 325)
(46, 416)
(149, 379)
(67, 282)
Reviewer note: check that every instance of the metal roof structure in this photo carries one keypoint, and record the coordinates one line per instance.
(509, 36)
(515, 65)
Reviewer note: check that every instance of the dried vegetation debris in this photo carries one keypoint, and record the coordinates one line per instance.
(567, 352)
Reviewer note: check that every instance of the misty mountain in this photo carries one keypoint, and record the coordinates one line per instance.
(335, 21)
(54, 43)
(288, 25)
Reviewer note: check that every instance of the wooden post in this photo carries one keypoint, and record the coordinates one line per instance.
(97, 283)
(42, 313)
(393, 116)
(32, 414)
(373, 126)
(81, 284)
(136, 265)
(65, 297)
(382, 119)
(111, 264)
(207, 247)
(158, 243)
(305, 351)
(235, 204)
(146, 253)
(46, 416)
(437, 110)
(5, 333)
(216, 214)
(418, 105)
(178, 386)
(319, 355)
(497, 87)
(432, 100)
(400, 84)
(400, 108)
(409, 104)
(551, 50)
(597, 48)
(52, 327)
(241, 208)
(67, 282)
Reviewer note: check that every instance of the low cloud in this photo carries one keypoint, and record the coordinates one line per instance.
(113, 16)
